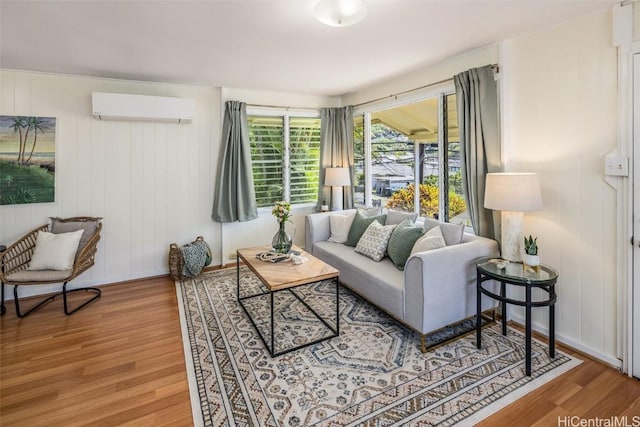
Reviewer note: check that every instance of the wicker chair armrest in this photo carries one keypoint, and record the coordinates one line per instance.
(17, 256)
(86, 256)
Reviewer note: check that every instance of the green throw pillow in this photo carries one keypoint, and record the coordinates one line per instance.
(359, 225)
(401, 242)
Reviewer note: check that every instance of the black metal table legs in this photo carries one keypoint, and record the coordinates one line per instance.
(270, 342)
(528, 304)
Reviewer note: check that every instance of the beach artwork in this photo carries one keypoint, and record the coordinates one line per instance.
(27, 159)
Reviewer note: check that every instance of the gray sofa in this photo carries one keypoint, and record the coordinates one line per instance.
(437, 287)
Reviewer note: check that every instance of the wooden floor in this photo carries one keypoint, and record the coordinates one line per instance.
(119, 361)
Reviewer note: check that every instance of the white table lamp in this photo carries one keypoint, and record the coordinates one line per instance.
(512, 193)
(337, 178)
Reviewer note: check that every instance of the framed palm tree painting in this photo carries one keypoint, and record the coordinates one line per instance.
(27, 159)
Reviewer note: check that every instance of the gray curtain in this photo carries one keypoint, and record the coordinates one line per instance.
(336, 150)
(477, 99)
(235, 197)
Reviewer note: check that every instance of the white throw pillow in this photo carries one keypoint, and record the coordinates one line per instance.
(434, 232)
(432, 239)
(453, 233)
(340, 226)
(55, 251)
(396, 217)
(368, 212)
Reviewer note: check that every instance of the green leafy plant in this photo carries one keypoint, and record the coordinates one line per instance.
(403, 199)
(531, 245)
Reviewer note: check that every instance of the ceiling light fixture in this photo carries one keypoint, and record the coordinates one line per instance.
(339, 13)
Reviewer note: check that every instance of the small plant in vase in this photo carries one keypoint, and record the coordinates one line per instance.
(531, 258)
(281, 241)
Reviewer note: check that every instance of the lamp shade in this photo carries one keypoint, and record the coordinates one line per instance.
(513, 191)
(337, 177)
(339, 13)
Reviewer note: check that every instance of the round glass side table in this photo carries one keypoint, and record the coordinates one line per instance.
(515, 274)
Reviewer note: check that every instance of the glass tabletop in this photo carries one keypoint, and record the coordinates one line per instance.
(515, 271)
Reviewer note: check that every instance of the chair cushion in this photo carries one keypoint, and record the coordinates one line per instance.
(89, 225)
(28, 276)
(55, 251)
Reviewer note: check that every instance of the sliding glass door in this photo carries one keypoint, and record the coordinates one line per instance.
(408, 153)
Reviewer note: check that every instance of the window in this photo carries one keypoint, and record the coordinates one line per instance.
(392, 166)
(285, 153)
(415, 155)
(359, 160)
(456, 207)
(304, 149)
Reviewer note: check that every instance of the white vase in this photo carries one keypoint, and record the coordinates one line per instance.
(531, 260)
(531, 263)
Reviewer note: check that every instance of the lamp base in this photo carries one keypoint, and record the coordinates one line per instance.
(511, 236)
(337, 203)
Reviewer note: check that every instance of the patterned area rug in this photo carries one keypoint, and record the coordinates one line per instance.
(373, 374)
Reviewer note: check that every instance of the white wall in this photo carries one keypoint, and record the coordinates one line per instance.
(636, 21)
(151, 182)
(560, 116)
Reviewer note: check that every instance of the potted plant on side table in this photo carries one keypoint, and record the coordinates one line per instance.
(531, 260)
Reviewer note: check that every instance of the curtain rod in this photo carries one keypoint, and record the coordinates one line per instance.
(395, 95)
(626, 2)
(282, 107)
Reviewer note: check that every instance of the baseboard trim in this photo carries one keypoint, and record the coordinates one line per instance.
(573, 345)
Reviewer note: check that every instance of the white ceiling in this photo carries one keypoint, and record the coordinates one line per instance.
(260, 44)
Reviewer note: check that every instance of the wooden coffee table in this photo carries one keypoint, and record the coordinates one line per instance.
(285, 276)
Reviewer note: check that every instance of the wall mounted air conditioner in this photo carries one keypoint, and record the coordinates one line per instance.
(120, 106)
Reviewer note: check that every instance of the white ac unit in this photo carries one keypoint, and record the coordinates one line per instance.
(121, 106)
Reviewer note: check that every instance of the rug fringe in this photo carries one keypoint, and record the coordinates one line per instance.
(196, 409)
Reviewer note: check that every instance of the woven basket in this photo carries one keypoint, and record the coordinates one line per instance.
(176, 262)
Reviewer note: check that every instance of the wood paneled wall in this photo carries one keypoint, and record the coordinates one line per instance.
(560, 104)
(151, 182)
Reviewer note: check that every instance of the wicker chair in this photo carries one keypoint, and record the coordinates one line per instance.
(16, 258)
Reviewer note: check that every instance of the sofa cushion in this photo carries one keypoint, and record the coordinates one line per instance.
(396, 217)
(402, 240)
(370, 211)
(359, 226)
(452, 233)
(380, 282)
(374, 240)
(340, 226)
(432, 239)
